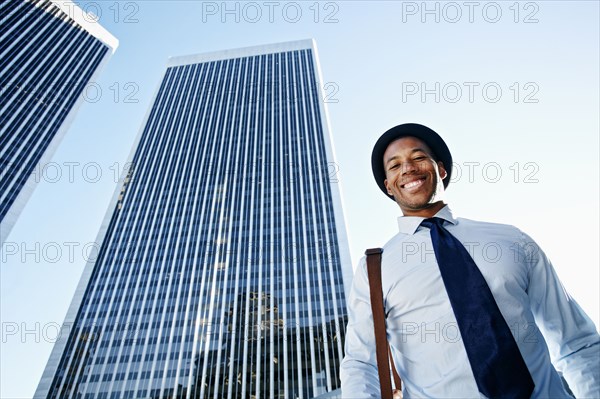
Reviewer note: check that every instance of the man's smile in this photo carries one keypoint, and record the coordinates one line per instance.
(413, 184)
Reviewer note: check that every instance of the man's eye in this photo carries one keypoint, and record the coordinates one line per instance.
(394, 166)
(421, 158)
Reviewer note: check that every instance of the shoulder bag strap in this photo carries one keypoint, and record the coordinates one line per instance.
(384, 355)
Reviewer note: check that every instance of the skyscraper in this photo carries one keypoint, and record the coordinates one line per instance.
(49, 52)
(223, 255)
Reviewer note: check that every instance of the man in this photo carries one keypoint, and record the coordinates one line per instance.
(462, 322)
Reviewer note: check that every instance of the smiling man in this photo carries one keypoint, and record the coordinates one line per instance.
(461, 323)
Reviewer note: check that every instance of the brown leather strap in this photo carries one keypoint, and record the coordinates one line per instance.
(397, 380)
(381, 343)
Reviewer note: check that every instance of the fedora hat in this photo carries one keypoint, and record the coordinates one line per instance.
(423, 133)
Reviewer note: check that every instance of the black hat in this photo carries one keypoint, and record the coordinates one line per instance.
(428, 136)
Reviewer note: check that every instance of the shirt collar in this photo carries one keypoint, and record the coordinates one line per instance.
(410, 224)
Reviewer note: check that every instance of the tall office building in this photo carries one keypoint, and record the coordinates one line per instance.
(224, 253)
(49, 52)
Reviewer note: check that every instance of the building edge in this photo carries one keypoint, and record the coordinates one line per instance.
(87, 21)
(11, 217)
(335, 184)
(249, 51)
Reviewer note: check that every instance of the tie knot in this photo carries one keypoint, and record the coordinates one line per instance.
(432, 221)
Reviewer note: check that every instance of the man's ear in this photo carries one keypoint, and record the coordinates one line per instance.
(442, 169)
(385, 182)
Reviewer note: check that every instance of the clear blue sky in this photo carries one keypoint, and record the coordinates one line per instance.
(513, 88)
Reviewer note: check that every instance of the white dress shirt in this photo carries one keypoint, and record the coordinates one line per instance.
(552, 331)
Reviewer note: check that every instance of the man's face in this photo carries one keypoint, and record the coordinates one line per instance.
(413, 177)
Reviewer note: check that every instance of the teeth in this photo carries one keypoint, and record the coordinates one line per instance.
(413, 184)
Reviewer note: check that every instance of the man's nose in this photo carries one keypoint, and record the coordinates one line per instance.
(409, 167)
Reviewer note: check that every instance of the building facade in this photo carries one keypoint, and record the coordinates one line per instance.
(224, 254)
(49, 52)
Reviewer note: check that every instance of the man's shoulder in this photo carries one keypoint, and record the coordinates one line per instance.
(489, 230)
(484, 225)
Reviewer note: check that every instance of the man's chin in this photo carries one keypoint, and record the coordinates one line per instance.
(415, 206)
(420, 206)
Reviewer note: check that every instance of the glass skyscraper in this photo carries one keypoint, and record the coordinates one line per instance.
(224, 253)
(49, 52)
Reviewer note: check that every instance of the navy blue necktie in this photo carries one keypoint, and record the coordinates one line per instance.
(499, 368)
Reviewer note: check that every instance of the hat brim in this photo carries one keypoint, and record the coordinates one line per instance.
(428, 136)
